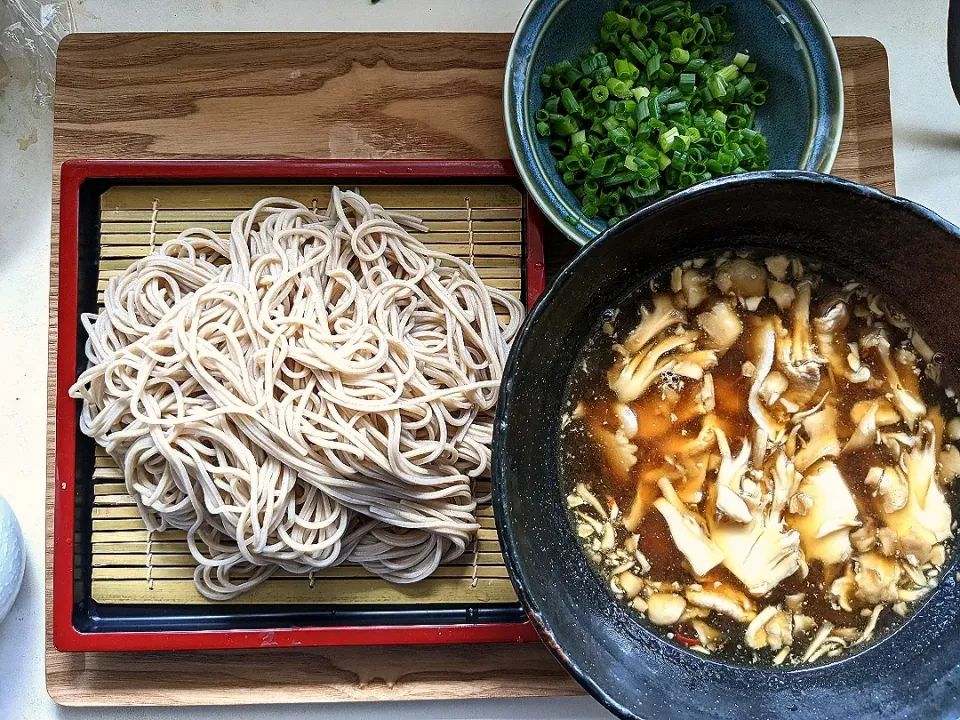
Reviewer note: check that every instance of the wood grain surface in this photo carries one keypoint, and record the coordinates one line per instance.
(326, 96)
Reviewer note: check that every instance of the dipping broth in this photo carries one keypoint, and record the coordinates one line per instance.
(759, 459)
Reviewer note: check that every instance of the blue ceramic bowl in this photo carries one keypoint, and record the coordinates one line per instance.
(788, 40)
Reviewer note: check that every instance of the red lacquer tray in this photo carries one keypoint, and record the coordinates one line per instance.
(80, 621)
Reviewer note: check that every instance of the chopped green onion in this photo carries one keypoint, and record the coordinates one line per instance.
(564, 127)
(611, 123)
(669, 95)
(600, 93)
(638, 53)
(620, 137)
(569, 101)
(651, 108)
(707, 25)
(654, 108)
(653, 66)
(625, 70)
(729, 72)
(667, 138)
(618, 88)
(643, 109)
(615, 21)
(743, 87)
(620, 179)
(717, 86)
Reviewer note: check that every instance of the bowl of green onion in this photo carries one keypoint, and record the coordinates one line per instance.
(613, 104)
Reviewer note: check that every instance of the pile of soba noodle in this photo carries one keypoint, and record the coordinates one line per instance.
(317, 388)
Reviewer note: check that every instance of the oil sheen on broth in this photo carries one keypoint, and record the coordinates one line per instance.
(759, 459)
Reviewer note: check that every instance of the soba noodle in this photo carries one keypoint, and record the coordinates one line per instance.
(318, 388)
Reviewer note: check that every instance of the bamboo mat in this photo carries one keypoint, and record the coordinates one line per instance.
(481, 224)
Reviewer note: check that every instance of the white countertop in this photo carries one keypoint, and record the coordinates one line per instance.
(926, 122)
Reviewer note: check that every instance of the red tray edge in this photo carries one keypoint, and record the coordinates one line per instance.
(73, 173)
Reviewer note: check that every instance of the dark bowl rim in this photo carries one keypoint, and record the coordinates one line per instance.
(555, 289)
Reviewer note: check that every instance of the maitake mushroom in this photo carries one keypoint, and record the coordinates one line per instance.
(652, 322)
(771, 628)
(907, 402)
(830, 515)
(732, 495)
(763, 386)
(769, 503)
(822, 441)
(830, 324)
(762, 552)
(688, 531)
(742, 278)
(796, 353)
(724, 599)
(620, 455)
(926, 517)
(721, 325)
(633, 375)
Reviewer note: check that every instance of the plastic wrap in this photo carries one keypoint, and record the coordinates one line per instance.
(30, 31)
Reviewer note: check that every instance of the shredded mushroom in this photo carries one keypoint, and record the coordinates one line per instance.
(739, 402)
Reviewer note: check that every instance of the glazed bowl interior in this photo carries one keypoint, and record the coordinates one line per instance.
(905, 252)
(801, 119)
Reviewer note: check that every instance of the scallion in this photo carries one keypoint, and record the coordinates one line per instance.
(569, 101)
(651, 108)
(600, 93)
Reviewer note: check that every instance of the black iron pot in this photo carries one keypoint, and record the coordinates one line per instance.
(892, 245)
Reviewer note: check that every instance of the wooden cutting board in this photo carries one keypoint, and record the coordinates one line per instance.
(204, 95)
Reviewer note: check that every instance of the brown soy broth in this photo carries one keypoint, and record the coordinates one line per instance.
(582, 459)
